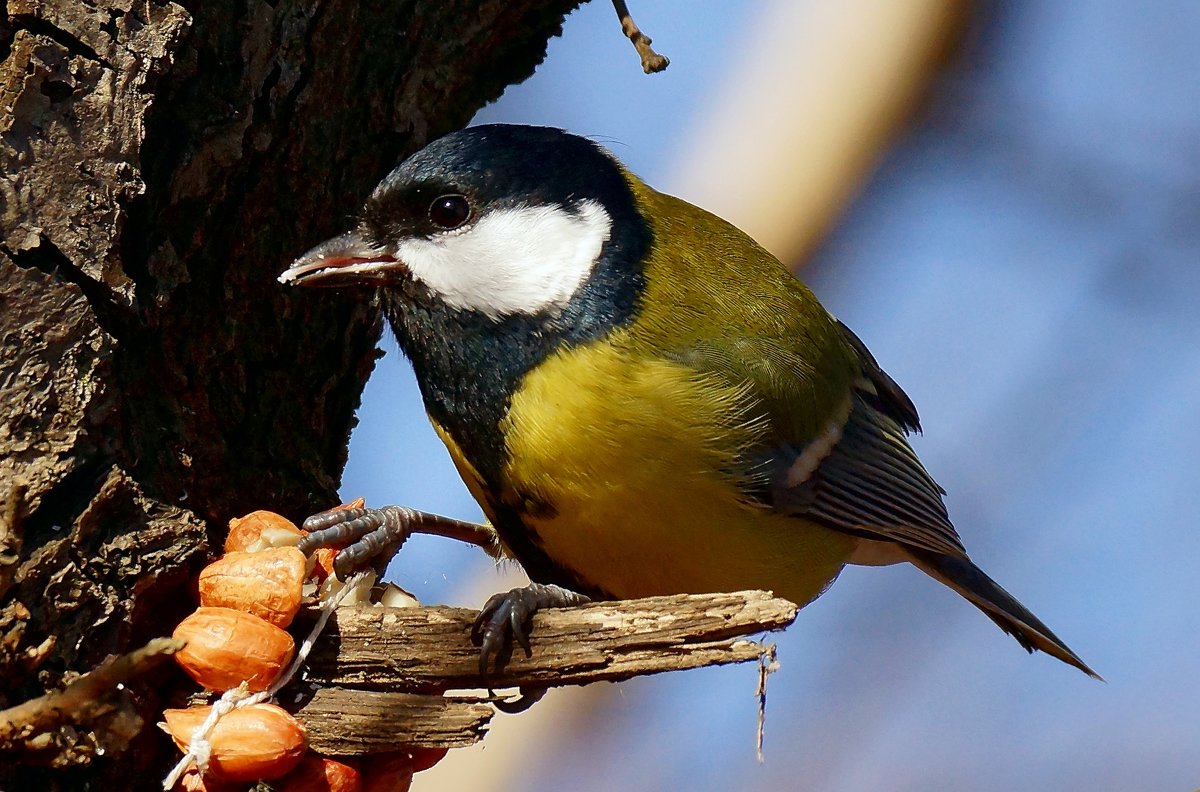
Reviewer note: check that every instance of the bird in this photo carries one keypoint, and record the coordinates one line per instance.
(642, 399)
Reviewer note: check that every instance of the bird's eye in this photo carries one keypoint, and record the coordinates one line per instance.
(449, 211)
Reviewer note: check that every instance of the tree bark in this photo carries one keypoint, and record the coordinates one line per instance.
(160, 163)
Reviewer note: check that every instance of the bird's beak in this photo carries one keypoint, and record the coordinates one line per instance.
(347, 260)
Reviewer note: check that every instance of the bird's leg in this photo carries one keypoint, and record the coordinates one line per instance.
(377, 534)
(505, 618)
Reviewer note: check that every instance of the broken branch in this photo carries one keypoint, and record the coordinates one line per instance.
(83, 699)
(415, 654)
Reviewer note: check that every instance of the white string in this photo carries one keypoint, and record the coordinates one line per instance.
(199, 748)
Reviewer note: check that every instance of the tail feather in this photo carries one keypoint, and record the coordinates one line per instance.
(960, 574)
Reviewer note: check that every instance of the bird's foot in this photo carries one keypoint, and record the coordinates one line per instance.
(375, 535)
(365, 535)
(505, 619)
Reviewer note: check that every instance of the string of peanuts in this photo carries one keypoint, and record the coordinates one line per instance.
(199, 748)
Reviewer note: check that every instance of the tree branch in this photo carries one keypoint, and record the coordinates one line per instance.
(348, 722)
(415, 654)
(81, 700)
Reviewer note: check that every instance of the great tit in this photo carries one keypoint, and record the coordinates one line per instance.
(642, 399)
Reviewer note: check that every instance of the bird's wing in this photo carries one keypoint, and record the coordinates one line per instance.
(864, 479)
(853, 470)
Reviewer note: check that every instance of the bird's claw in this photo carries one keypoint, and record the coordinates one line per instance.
(525, 699)
(505, 618)
(364, 534)
(501, 620)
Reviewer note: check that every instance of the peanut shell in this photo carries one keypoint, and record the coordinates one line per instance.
(266, 583)
(261, 741)
(225, 647)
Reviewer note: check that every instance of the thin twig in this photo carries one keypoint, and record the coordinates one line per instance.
(651, 61)
(80, 700)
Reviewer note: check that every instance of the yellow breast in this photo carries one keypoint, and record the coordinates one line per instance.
(635, 463)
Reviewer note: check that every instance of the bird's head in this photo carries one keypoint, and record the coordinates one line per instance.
(496, 221)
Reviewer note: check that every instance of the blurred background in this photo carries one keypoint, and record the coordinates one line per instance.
(1003, 200)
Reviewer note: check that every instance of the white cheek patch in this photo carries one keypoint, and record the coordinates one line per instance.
(521, 260)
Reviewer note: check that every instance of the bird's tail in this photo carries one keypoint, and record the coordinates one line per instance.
(960, 574)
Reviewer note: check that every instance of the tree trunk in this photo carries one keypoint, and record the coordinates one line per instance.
(160, 163)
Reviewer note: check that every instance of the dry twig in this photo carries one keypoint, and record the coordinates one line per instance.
(651, 60)
(83, 699)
